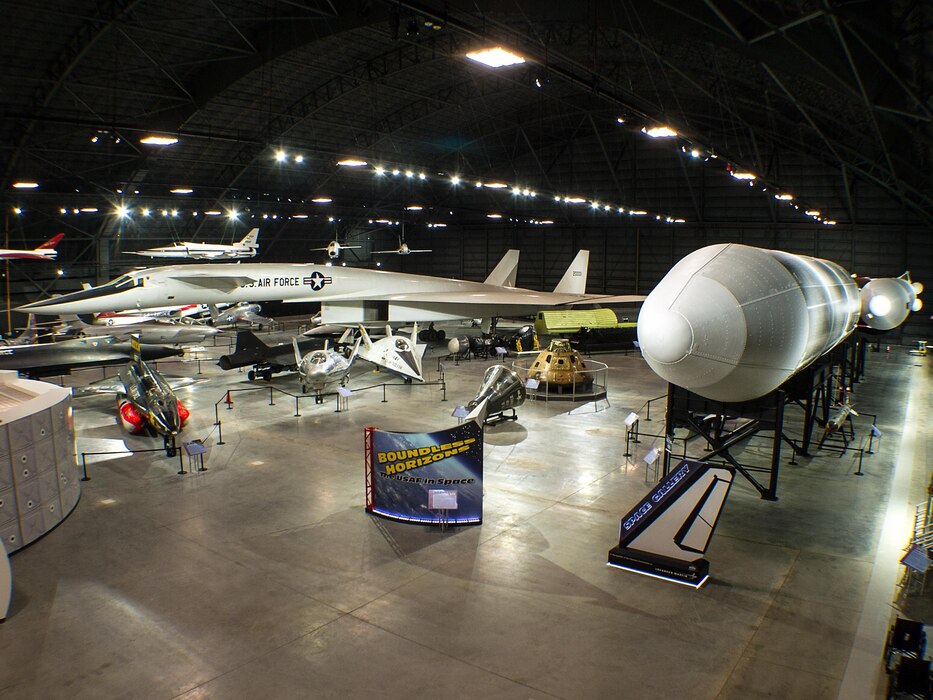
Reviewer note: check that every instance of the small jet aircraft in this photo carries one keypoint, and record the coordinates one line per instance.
(147, 403)
(319, 368)
(46, 251)
(267, 360)
(156, 331)
(394, 353)
(402, 249)
(348, 295)
(29, 335)
(245, 248)
(52, 359)
(334, 247)
(244, 312)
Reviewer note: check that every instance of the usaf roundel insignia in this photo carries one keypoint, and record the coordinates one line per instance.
(317, 281)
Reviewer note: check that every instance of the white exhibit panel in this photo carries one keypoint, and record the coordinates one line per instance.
(39, 476)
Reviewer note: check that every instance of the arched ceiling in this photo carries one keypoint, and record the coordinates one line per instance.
(784, 90)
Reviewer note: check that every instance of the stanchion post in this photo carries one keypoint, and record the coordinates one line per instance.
(181, 463)
(271, 399)
(384, 400)
(859, 471)
(220, 433)
(84, 467)
(297, 414)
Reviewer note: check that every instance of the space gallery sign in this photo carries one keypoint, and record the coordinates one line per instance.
(426, 477)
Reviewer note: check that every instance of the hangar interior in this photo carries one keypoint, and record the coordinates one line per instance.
(640, 131)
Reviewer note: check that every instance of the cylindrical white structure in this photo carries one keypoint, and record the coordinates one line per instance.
(731, 322)
(887, 301)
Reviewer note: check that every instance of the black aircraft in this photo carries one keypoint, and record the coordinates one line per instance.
(52, 359)
(266, 359)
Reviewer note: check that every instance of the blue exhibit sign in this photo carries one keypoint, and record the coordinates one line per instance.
(403, 468)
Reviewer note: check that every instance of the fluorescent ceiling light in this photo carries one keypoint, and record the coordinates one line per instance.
(830, 222)
(638, 212)
(208, 212)
(89, 210)
(493, 216)
(322, 200)
(352, 162)
(659, 132)
(299, 216)
(812, 212)
(25, 185)
(181, 190)
(159, 140)
(495, 185)
(437, 225)
(784, 197)
(496, 57)
(742, 175)
(414, 207)
(575, 200)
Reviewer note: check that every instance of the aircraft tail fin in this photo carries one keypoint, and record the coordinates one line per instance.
(251, 239)
(30, 332)
(247, 340)
(298, 352)
(574, 279)
(364, 337)
(505, 273)
(414, 333)
(136, 356)
(52, 242)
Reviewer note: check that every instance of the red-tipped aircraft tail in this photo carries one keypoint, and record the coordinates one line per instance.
(52, 242)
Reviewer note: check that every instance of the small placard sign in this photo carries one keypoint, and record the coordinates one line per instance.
(194, 447)
(344, 391)
(442, 499)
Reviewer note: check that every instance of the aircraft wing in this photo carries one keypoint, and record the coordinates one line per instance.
(221, 283)
(114, 385)
(494, 296)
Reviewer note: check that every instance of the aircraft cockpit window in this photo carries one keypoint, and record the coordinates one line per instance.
(317, 359)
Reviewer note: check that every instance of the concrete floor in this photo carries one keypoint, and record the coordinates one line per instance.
(264, 577)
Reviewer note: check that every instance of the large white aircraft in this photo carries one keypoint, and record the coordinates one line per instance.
(245, 248)
(347, 295)
(46, 251)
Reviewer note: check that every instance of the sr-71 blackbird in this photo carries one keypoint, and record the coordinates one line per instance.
(347, 295)
(51, 359)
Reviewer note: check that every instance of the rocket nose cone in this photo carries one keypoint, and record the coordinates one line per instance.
(665, 336)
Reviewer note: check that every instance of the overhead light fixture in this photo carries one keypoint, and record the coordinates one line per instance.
(638, 212)
(299, 158)
(63, 211)
(233, 214)
(207, 212)
(59, 272)
(812, 212)
(322, 200)
(280, 156)
(454, 180)
(830, 222)
(495, 185)
(414, 207)
(495, 57)
(421, 176)
(433, 225)
(742, 175)
(299, 216)
(174, 212)
(181, 190)
(379, 170)
(122, 211)
(154, 140)
(145, 212)
(352, 163)
(784, 197)
(25, 185)
(17, 210)
(89, 210)
(659, 132)
(493, 216)
(409, 173)
(575, 200)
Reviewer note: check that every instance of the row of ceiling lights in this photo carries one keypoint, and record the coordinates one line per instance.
(496, 57)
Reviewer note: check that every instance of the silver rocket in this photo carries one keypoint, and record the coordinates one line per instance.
(732, 322)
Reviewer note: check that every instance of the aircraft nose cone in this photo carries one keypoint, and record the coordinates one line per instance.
(665, 336)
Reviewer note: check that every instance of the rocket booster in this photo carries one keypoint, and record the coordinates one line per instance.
(886, 301)
(732, 322)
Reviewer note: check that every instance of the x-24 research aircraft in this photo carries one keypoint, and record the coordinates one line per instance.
(245, 248)
(347, 295)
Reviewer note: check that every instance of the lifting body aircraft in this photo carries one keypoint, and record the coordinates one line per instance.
(347, 295)
(321, 368)
(245, 248)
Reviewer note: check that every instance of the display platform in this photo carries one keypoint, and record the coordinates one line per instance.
(668, 531)
(39, 476)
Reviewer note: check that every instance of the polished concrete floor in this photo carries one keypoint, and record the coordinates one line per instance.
(264, 577)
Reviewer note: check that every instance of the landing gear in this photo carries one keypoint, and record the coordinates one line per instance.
(168, 442)
(251, 375)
